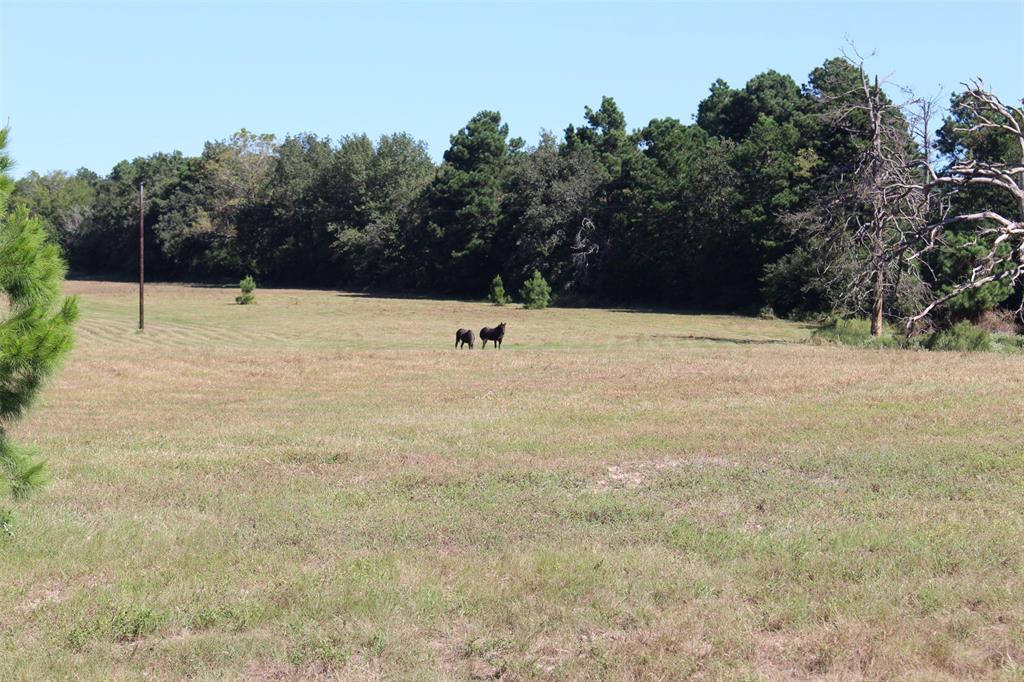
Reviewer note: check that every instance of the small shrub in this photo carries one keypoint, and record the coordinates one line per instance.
(79, 636)
(536, 292)
(1008, 342)
(497, 295)
(766, 313)
(131, 624)
(857, 332)
(850, 332)
(963, 336)
(247, 285)
(318, 648)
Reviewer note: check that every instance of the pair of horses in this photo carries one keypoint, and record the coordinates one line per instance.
(492, 334)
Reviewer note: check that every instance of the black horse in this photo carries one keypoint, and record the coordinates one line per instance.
(465, 336)
(495, 334)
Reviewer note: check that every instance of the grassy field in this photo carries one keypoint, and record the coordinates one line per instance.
(322, 486)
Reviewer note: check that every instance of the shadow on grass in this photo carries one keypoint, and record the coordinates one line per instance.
(404, 296)
(721, 339)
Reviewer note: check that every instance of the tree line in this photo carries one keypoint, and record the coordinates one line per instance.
(802, 198)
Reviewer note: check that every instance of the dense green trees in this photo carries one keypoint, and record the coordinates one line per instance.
(683, 209)
(463, 219)
(548, 194)
(376, 188)
(61, 201)
(731, 211)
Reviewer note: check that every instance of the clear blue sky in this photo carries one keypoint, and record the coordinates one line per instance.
(87, 84)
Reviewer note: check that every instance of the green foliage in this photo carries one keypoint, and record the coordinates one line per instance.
(963, 336)
(722, 213)
(247, 285)
(856, 332)
(769, 130)
(120, 625)
(536, 292)
(464, 214)
(793, 284)
(848, 331)
(318, 648)
(63, 202)
(497, 294)
(549, 194)
(614, 151)
(129, 624)
(1003, 341)
(954, 261)
(681, 206)
(37, 333)
(374, 189)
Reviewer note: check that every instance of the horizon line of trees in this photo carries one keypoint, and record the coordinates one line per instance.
(777, 194)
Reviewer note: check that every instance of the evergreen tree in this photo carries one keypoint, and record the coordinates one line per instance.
(464, 216)
(605, 137)
(536, 292)
(681, 235)
(549, 194)
(247, 285)
(770, 129)
(497, 295)
(37, 332)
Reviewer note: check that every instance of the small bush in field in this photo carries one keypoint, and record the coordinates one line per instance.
(247, 285)
(963, 336)
(849, 332)
(536, 292)
(857, 332)
(497, 295)
(131, 624)
(1008, 342)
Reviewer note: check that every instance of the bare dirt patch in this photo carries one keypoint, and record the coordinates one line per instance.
(633, 475)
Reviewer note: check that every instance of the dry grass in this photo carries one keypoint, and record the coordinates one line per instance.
(321, 486)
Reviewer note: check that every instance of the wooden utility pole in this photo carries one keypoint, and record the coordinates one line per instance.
(142, 259)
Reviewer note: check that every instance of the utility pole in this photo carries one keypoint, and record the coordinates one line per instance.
(142, 260)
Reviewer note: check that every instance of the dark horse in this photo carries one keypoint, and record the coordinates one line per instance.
(495, 334)
(465, 336)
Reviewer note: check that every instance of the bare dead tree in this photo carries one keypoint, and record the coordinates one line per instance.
(874, 205)
(586, 248)
(999, 239)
